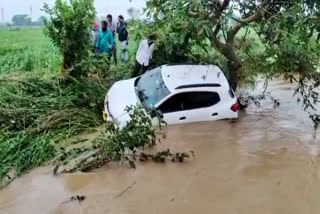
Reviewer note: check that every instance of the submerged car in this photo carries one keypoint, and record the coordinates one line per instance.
(182, 93)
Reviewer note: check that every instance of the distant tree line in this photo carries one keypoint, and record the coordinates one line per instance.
(25, 20)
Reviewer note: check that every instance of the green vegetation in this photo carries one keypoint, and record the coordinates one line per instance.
(28, 64)
(25, 50)
(287, 30)
(214, 27)
(68, 27)
(123, 144)
(39, 110)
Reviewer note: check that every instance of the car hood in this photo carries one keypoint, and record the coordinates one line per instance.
(121, 95)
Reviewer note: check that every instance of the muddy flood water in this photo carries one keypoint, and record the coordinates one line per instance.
(267, 162)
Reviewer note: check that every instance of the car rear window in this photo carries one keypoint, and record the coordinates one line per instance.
(189, 100)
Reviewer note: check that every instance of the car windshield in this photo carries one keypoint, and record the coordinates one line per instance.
(151, 88)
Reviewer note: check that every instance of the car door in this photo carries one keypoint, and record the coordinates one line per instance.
(173, 109)
(188, 107)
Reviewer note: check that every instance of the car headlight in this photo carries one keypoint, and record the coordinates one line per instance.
(104, 116)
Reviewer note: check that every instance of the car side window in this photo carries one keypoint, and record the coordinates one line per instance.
(189, 100)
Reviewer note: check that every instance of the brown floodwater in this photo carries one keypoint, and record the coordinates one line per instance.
(267, 162)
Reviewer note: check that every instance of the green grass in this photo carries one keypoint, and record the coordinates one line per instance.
(37, 110)
(26, 49)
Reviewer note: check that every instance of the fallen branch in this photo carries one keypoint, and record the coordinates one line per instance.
(124, 191)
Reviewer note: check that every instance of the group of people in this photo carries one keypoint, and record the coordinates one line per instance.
(104, 41)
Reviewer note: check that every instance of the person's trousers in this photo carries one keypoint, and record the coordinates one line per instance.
(114, 54)
(139, 69)
(124, 51)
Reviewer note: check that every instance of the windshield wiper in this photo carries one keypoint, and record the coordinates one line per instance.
(136, 81)
(141, 95)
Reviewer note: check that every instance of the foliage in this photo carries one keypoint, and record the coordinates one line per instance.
(268, 37)
(68, 27)
(27, 50)
(20, 152)
(194, 21)
(35, 104)
(136, 134)
(293, 50)
(123, 144)
(37, 111)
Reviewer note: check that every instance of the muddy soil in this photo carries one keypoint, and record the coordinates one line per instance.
(267, 162)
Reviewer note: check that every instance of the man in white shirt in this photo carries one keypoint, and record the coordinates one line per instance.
(143, 56)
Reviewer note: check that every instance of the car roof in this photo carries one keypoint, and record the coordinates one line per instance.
(192, 76)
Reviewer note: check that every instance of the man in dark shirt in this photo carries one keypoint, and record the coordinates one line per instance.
(123, 38)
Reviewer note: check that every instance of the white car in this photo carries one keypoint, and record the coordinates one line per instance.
(182, 93)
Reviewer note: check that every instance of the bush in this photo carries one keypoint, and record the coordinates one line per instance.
(68, 27)
(126, 144)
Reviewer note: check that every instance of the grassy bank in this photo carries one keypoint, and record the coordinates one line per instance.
(37, 110)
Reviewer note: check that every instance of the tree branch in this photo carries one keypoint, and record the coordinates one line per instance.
(256, 16)
(224, 32)
(215, 41)
(224, 5)
(215, 15)
(193, 14)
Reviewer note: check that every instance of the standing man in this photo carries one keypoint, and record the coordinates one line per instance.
(144, 54)
(112, 28)
(105, 40)
(123, 38)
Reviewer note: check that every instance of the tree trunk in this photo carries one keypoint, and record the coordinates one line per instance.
(234, 62)
(234, 68)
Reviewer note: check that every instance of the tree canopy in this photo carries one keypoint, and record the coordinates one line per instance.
(248, 37)
(278, 23)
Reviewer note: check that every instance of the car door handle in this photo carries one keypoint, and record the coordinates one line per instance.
(214, 114)
(182, 118)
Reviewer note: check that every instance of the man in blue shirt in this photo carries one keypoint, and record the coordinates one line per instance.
(105, 40)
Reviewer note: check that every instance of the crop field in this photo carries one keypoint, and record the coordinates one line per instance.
(37, 109)
(26, 50)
